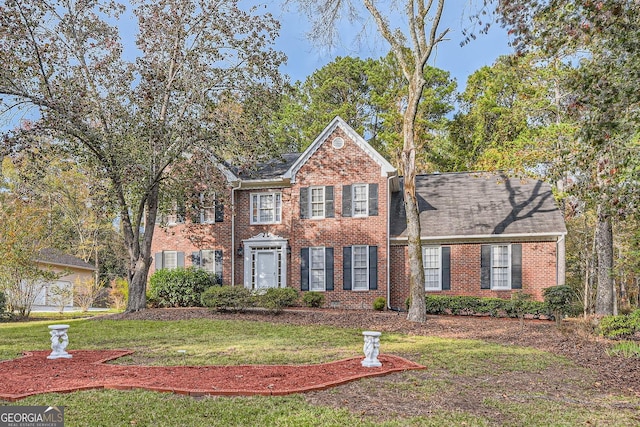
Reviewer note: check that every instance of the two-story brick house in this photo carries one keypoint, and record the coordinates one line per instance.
(331, 219)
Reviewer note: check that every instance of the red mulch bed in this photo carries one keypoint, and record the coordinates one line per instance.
(35, 374)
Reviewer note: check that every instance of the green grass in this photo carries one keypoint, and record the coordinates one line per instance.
(467, 383)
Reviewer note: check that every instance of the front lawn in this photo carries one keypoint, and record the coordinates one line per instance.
(468, 382)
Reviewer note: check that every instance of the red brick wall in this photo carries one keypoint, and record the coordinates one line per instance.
(538, 271)
(190, 238)
(338, 167)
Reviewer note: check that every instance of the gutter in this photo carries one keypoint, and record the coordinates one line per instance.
(389, 178)
(473, 237)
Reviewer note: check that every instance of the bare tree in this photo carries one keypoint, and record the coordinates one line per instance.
(411, 45)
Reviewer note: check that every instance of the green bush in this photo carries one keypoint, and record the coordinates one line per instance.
(559, 299)
(622, 326)
(379, 303)
(495, 307)
(275, 299)
(3, 304)
(313, 299)
(180, 287)
(227, 298)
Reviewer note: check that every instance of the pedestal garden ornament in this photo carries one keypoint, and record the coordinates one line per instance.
(59, 342)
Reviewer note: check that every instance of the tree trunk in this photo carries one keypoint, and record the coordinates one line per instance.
(604, 243)
(140, 251)
(417, 309)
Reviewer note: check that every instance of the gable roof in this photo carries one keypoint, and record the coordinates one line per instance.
(56, 257)
(479, 205)
(386, 169)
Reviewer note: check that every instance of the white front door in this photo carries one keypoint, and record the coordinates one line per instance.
(266, 269)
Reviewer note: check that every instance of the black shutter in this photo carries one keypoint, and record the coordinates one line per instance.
(346, 268)
(195, 259)
(304, 269)
(180, 262)
(446, 268)
(346, 201)
(218, 266)
(485, 267)
(373, 199)
(158, 261)
(219, 211)
(328, 266)
(373, 268)
(304, 202)
(516, 266)
(328, 202)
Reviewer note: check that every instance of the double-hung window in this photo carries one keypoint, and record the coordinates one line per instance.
(501, 267)
(360, 268)
(169, 260)
(432, 268)
(209, 260)
(317, 269)
(266, 208)
(317, 202)
(360, 200)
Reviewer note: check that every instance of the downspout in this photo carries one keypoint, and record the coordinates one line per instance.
(561, 261)
(233, 232)
(389, 242)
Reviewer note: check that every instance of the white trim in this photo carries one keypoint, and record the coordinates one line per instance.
(353, 267)
(439, 248)
(277, 208)
(324, 201)
(385, 167)
(484, 237)
(353, 200)
(492, 266)
(324, 268)
(264, 240)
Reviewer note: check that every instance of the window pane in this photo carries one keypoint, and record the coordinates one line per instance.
(360, 199)
(431, 262)
(360, 268)
(170, 259)
(207, 260)
(317, 269)
(500, 267)
(317, 202)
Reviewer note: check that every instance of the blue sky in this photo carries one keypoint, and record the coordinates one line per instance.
(304, 59)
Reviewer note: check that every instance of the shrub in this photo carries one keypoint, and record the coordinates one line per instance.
(181, 287)
(559, 299)
(518, 305)
(275, 299)
(227, 298)
(313, 299)
(119, 293)
(616, 327)
(379, 303)
(3, 304)
(467, 305)
(85, 292)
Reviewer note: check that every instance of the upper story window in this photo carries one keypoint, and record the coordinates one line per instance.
(360, 200)
(266, 208)
(316, 202)
(210, 209)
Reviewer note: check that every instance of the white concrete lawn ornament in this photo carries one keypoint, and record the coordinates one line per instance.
(59, 342)
(371, 349)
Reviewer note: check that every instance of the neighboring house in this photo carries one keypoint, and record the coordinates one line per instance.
(332, 220)
(69, 269)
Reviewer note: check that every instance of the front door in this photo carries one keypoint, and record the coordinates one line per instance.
(266, 269)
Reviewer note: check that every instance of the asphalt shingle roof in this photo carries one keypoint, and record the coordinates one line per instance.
(54, 256)
(479, 204)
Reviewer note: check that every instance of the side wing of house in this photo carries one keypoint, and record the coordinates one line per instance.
(483, 234)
